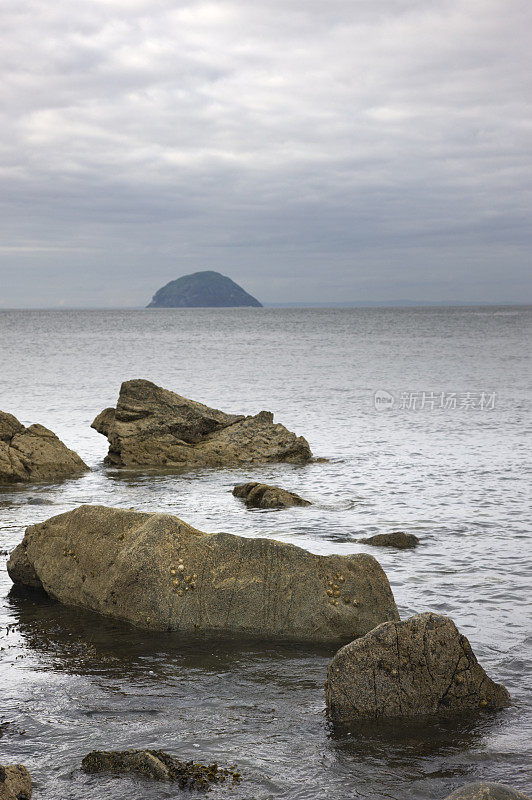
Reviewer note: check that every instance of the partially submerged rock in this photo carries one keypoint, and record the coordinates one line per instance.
(151, 426)
(160, 766)
(398, 539)
(484, 790)
(155, 571)
(422, 665)
(261, 495)
(15, 782)
(34, 453)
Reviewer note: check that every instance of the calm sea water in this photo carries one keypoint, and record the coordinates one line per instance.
(456, 477)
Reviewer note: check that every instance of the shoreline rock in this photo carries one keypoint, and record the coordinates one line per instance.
(160, 766)
(34, 453)
(419, 666)
(262, 495)
(154, 427)
(398, 539)
(485, 790)
(15, 782)
(157, 572)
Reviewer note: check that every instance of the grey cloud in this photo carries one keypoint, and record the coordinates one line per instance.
(355, 148)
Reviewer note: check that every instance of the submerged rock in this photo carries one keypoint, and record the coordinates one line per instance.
(160, 766)
(484, 790)
(151, 426)
(400, 540)
(15, 782)
(155, 571)
(260, 495)
(422, 665)
(34, 453)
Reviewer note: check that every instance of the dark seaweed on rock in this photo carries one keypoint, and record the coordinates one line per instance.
(160, 766)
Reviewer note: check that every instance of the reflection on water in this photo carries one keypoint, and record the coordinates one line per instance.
(73, 681)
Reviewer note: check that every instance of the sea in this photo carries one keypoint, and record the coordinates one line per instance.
(423, 415)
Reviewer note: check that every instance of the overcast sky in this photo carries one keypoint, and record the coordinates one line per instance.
(339, 150)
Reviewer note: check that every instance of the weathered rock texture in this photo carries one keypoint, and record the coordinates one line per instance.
(155, 427)
(155, 571)
(160, 766)
(484, 790)
(15, 782)
(422, 665)
(34, 453)
(400, 540)
(260, 495)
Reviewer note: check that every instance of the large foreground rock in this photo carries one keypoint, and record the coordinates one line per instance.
(15, 782)
(262, 495)
(422, 665)
(484, 790)
(155, 571)
(34, 453)
(151, 426)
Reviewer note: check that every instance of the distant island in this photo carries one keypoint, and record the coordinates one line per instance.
(206, 289)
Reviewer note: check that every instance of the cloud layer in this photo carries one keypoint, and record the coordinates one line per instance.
(313, 151)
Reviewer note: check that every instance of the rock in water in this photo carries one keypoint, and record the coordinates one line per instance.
(155, 427)
(484, 790)
(160, 766)
(206, 289)
(34, 453)
(155, 571)
(15, 782)
(260, 495)
(422, 665)
(399, 540)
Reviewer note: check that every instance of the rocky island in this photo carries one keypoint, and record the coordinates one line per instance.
(207, 289)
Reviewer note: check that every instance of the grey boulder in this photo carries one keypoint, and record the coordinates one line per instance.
(419, 666)
(34, 453)
(151, 426)
(155, 571)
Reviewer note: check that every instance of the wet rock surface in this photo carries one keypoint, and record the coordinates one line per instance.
(157, 572)
(15, 782)
(34, 453)
(484, 790)
(151, 426)
(161, 766)
(419, 666)
(261, 495)
(398, 539)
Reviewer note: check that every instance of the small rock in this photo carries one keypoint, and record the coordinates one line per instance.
(38, 501)
(484, 790)
(260, 495)
(160, 766)
(15, 782)
(398, 539)
(419, 666)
